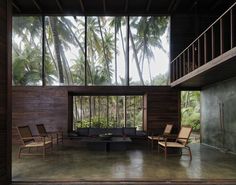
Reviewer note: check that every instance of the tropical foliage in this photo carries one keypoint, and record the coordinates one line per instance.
(102, 61)
(108, 111)
(190, 109)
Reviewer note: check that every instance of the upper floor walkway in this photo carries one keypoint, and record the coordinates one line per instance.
(210, 58)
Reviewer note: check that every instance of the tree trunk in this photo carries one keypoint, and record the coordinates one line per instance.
(104, 51)
(136, 57)
(56, 40)
(149, 70)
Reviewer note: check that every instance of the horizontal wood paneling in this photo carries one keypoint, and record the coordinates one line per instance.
(34, 105)
(49, 105)
(163, 107)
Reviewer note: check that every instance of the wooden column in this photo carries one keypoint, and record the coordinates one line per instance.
(5, 92)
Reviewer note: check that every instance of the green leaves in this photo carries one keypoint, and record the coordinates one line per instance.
(190, 109)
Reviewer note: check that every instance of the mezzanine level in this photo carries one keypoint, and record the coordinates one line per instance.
(210, 58)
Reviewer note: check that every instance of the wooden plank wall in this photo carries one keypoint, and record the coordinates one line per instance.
(5, 92)
(163, 107)
(49, 105)
(35, 105)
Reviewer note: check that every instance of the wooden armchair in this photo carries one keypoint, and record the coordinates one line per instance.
(180, 142)
(56, 136)
(166, 133)
(29, 141)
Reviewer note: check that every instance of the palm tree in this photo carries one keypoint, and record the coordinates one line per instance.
(146, 39)
(27, 66)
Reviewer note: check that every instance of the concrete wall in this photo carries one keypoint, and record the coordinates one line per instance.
(219, 129)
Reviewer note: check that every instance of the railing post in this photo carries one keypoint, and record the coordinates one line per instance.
(193, 57)
(180, 67)
(176, 69)
(188, 56)
(205, 48)
(221, 36)
(184, 64)
(231, 29)
(199, 52)
(212, 43)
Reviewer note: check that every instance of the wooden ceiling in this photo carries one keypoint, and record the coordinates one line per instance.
(117, 7)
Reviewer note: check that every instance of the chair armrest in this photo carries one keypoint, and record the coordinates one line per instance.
(34, 137)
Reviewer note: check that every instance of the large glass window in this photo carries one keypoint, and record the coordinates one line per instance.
(149, 50)
(106, 41)
(108, 111)
(27, 51)
(93, 52)
(65, 51)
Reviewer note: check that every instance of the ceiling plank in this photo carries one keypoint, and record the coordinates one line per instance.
(59, 5)
(214, 6)
(82, 6)
(16, 7)
(193, 5)
(126, 5)
(104, 6)
(148, 5)
(173, 5)
(36, 3)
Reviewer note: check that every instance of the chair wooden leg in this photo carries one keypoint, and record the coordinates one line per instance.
(158, 148)
(57, 138)
(190, 153)
(165, 152)
(152, 144)
(19, 152)
(62, 137)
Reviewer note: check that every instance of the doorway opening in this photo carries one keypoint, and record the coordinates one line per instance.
(190, 113)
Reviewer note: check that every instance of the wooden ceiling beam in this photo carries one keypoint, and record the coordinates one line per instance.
(16, 7)
(104, 6)
(59, 5)
(126, 5)
(36, 3)
(214, 6)
(148, 5)
(173, 6)
(193, 5)
(82, 6)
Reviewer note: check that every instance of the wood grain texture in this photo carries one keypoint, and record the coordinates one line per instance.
(51, 105)
(163, 107)
(37, 105)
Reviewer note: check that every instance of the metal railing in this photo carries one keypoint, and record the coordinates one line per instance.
(217, 39)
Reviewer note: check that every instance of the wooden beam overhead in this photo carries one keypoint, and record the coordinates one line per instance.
(59, 5)
(82, 5)
(214, 6)
(176, 5)
(126, 5)
(16, 7)
(36, 3)
(173, 6)
(193, 5)
(104, 5)
(148, 5)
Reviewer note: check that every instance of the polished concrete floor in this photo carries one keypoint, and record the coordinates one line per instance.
(71, 162)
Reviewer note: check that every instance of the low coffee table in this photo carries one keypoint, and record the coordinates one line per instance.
(114, 143)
